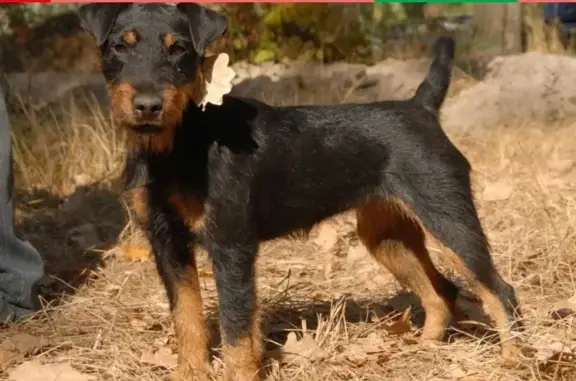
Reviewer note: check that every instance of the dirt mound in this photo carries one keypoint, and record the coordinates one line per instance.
(531, 86)
(304, 83)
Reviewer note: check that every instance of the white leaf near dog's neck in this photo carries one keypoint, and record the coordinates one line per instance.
(217, 79)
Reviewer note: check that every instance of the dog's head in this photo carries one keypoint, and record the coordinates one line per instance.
(151, 57)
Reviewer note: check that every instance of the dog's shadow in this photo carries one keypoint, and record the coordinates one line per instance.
(470, 322)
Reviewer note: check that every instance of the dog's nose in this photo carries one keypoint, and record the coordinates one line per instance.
(147, 105)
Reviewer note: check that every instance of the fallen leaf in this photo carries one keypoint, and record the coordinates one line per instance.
(23, 343)
(497, 191)
(36, 371)
(564, 309)
(456, 371)
(162, 357)
(17, 346)
(356, 253)
(306, 348)
(369, 349)
(557, 361)
(402, 325)
(327, 237)
(160, 342)
(7, 358)
(136, 253)
(372, 343)
(330, 266)
(355, 354)
(559, 346)
(555, 355)
(138, 324)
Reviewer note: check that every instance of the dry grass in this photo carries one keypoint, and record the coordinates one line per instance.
(539, 36)
(58, 151)
(104, 324)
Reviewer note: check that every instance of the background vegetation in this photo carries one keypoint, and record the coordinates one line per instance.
(279, 32)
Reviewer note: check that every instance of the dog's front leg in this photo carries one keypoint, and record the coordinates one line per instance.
(171, 243)
(239, 321)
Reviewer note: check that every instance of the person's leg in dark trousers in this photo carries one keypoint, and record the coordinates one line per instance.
(21, 267)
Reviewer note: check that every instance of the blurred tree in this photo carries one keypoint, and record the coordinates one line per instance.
(498, 27)
(414, 11)
(258, 32)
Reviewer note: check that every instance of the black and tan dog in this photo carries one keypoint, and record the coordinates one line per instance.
(236, 174)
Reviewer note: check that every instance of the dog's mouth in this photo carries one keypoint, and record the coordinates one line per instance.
(147, 129)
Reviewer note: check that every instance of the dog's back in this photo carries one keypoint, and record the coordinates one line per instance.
(315, 161)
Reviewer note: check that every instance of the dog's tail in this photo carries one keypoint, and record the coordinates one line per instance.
(432, 91)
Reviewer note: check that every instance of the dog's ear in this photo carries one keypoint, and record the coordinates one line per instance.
(98, 18)
(206, 25)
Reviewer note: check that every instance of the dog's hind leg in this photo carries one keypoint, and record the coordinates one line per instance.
(395, 238)
(448, 214)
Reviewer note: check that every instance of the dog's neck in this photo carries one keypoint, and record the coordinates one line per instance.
(228, 125)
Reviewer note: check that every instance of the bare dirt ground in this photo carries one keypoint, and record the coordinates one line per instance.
(330, 312)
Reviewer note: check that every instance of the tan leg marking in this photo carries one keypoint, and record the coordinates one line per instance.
(169, 39)
(138, 201)
(190, 328)
(243, 360)
(130, 37)
(393, 235)
(191, 209)
(189, 321)
(490, 301)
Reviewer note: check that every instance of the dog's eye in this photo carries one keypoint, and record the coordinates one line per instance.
(120, 48)
(176, 50)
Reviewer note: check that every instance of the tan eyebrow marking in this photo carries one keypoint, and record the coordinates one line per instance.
(129, 37)
(169, 39)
